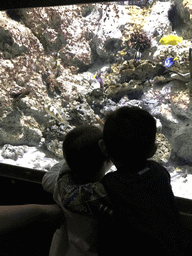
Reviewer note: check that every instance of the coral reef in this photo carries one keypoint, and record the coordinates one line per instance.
(139, 40)
(49, 57)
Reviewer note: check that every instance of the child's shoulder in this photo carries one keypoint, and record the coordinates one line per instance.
(152, 170)
(158, 168)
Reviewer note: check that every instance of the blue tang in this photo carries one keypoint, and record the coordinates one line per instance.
(169, 62)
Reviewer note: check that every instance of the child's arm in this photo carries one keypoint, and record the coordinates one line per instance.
(91, 197)
(49, 181)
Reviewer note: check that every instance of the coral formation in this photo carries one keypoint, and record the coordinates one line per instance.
(13, 152)
(139, 40)
(49, 58)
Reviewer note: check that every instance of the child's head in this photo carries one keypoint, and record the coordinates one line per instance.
(82, 152)
(129, 135)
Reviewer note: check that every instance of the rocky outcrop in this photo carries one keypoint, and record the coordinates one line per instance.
(12, 152)
(184, 10)
(79, 34)
(14, 131)
(181, 144)
(158, 23)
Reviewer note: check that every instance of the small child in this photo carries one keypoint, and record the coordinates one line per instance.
(146, 218)
(84, 162)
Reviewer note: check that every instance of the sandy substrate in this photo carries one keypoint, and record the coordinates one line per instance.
(34, 158)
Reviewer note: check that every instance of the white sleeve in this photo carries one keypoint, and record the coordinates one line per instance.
(49, 181)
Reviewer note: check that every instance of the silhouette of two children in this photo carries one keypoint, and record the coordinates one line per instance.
(131, 211)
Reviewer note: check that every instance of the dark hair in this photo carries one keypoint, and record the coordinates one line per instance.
(129, 134)
(82, 152)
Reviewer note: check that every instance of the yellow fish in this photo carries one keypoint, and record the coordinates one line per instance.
(172, 40)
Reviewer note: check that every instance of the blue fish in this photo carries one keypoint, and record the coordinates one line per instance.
(99, 80)
(138, 55)
(169, 62)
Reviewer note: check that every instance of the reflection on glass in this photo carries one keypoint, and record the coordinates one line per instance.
(65, 66)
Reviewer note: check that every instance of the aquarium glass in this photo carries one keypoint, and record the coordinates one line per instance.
(66, 66)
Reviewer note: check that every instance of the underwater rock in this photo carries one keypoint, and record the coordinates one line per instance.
(180, 97)
(20, 45)
(14, 14)
(182, 77)
(8, 44)
(103, 108)
(13, 45)
(86, 9)
(133, 90)
(108, 106)
(80, 114)
(158, 21)
(163, 152)
(73, 86)
(97, 100)
(55, 113)
(106, 40)
(174, 18)
(96, 84)
(184, 9)
(167, 116)
(184, 12)
(55, 146)
(181, 144)
(64, 32)
(11, 129)
(55, 131)
(160, 79)
(13, 132)
(31, 137)
(168, 101)
(141, 70)
(13, 152)
(79, 39)
(129, 103)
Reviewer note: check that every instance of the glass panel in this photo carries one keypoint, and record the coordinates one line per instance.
(65, 66)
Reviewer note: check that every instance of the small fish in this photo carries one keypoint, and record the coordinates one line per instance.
(171, 40)
(155, 33)
(54, 113)
(169, 62)
(99, 80)
(56, 54)
(137, 56)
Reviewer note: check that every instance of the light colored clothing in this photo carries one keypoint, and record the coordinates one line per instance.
(83, 198)
(76, 237)
(78, 234)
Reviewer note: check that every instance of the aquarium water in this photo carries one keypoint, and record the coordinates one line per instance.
(66, 66)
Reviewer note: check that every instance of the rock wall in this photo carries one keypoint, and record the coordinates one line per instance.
(184, 9)
(48, 59)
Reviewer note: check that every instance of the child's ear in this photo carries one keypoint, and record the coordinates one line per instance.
(103, 147)
(154, 149)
